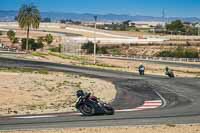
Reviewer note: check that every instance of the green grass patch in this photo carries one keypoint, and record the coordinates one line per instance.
(179, 52)
(39, 54)
(23, 70)
(105, 65)
(70, 57)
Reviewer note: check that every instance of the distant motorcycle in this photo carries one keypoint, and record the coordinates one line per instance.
(90, 106)
(141, 69)
(169, 73)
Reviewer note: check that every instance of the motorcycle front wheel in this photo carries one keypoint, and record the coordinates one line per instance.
(109, 110)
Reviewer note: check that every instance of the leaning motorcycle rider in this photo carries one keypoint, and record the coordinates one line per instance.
(169, 72)
(81, 93)
(89, 105)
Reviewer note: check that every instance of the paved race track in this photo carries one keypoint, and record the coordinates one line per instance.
(180, 100)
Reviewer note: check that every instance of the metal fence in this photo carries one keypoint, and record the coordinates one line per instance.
(144, 58)
(71, 47)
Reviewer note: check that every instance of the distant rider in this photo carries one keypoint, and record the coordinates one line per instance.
(169, 72)
(141, 69)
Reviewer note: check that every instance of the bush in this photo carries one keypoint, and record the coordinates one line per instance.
(32, 44)
(115, 51)
(49, 39)
(1, 33)
(11, 35)
(88, 47)
(36, 46)
(15, 40)
(191, 54)
(102, 50)
(180, 53)
(56, 49)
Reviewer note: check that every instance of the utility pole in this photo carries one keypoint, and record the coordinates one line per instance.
(163, 15)
(95, 43)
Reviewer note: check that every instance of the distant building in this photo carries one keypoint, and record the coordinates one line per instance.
(91, 23)
(146, 24)
(197, 25)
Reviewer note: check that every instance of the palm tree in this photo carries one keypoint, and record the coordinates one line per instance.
(28, 16)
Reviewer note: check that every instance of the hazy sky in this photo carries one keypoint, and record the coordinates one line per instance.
(181, 8)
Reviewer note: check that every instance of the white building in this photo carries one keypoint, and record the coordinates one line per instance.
(146, 24)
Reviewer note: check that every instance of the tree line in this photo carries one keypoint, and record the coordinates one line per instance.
(32, 43)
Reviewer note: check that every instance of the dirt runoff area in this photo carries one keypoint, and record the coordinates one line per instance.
(136, 129)
(52, 92)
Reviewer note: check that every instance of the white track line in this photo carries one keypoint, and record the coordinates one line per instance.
(36, 116)
(164, 102)
(147, 105)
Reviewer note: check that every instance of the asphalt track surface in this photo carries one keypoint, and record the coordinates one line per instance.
(180, 96)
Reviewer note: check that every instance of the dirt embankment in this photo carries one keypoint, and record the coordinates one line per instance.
(36, 93)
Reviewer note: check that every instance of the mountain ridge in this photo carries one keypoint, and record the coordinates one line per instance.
(9, 15)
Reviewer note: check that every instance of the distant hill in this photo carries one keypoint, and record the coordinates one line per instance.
(56, 16)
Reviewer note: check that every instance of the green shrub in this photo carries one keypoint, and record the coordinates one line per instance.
(49, 39)
(32, 44)
(11, 35)
(88, 47)
(56, 49)
(191, 54)
(39, 54)
(15, 40)
(180, 53)
(115, 51)
(102, 50)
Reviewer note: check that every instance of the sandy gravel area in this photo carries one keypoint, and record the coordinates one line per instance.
(136, 129)
(33, 93)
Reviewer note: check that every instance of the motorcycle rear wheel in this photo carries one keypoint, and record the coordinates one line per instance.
(87, 110)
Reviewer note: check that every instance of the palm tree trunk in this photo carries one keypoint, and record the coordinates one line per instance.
(27, 39)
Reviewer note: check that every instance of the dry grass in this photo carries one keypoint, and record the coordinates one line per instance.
(136, 129)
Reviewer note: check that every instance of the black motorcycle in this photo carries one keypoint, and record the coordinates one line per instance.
(170, 74)
(141, 70)
(90, 106)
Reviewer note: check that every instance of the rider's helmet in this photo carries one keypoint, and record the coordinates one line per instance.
(167, 69)
(141, 67)
(79, 93)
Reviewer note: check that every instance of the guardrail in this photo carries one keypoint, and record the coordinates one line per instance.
(144, 58)
(12, 52)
